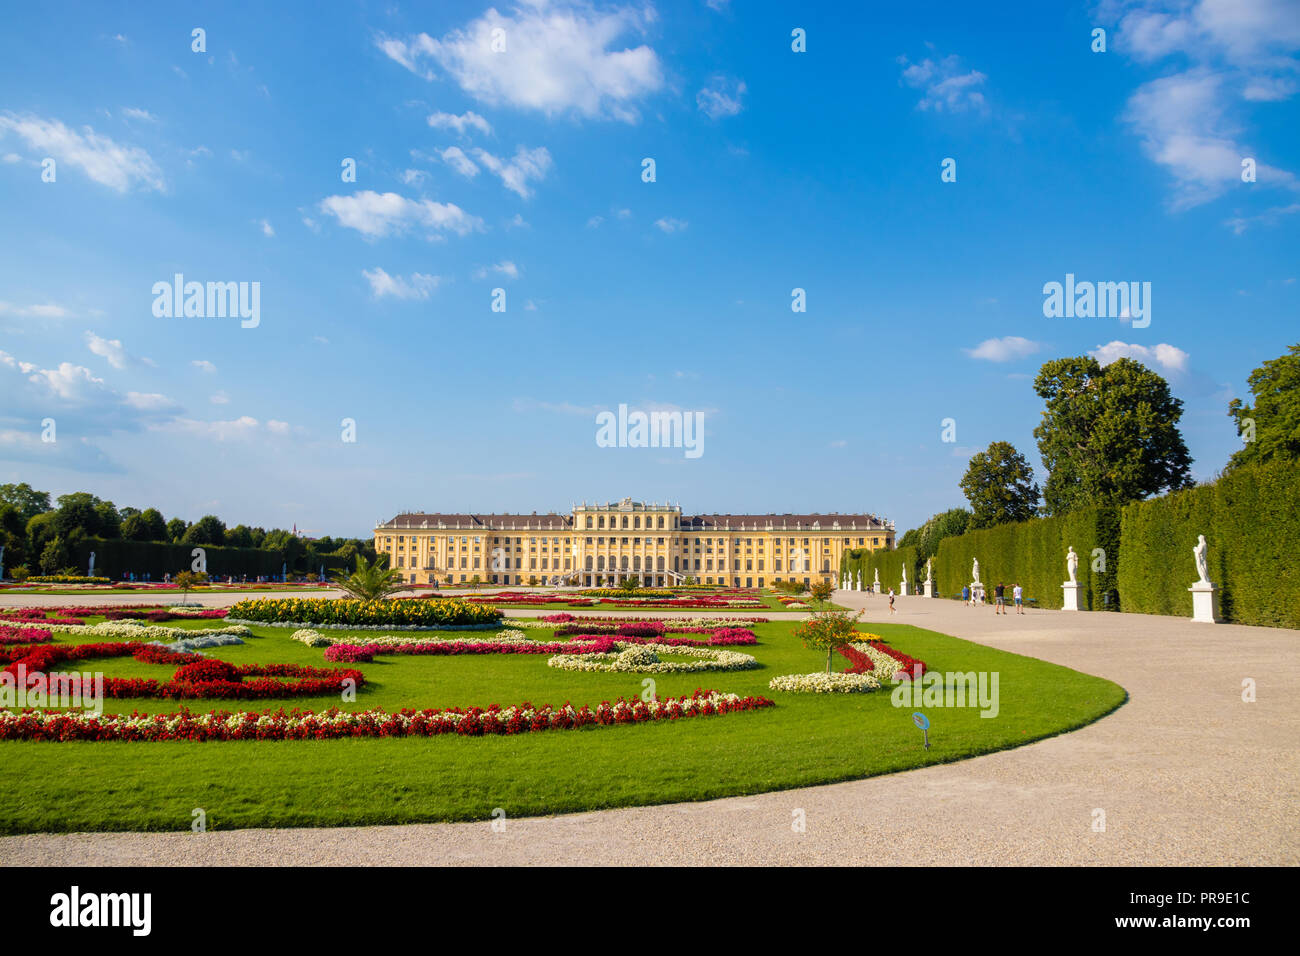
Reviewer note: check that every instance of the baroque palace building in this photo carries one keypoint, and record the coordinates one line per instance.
(601, 544)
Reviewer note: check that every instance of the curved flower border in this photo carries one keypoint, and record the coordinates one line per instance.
(58, 727)
(640, 658)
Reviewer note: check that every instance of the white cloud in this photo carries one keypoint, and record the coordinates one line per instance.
(514, 174)
(721, 97)
(595, 221)
(103, 160)
(267, 229)
(219, 398)
(413, 177)
(149, 401)
(243, 427)
(1229, 52)
(375, 215)
(945, 85)
(517, 222)
(108, 349)
(455, 157)
(669, 225)
(466, 120)
(1005, 349)
(203, 365)
(1170, 358)
(504, 268)
(1268, 217)
(132, 113)
(558, 58)
(277, 427)
(419, 286)
(46, 310)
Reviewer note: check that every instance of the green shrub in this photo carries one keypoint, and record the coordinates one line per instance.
(415, 612)
(889, 563)
(1032, 554)
(1251, 525)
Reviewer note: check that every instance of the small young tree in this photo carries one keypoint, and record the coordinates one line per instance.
(828, 631)
(821, 591)
(629, 583)
(188, 581)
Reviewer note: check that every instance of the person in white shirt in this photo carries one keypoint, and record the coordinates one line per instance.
(1019, 594)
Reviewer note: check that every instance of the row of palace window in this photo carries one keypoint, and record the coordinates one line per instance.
(601, 542)
(519, 579)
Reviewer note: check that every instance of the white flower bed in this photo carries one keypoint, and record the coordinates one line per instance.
(823, 683)
(314, 638)
(670, 621)
(306, 625)
(194, 644)
(133, 630)
(885, 667)
(644, 659)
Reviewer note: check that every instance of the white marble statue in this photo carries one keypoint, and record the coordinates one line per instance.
(1202, 567)
(929, 570)
(1072, 565)
(975, 571)
(877, 580)
(90, 571)
(904, 588)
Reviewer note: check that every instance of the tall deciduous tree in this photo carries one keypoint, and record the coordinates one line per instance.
(999, 484)
(1270, 427)
(207, 530)
(1108, 435)
(27, 500)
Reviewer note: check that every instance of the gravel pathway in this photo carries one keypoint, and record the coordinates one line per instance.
(1185, 772)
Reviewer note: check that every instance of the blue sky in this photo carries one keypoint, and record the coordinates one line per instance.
(521, 169)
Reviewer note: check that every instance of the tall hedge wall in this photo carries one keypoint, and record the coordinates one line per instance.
(1251, 524)
(890, 564)
(1032, 554)
(115, 556)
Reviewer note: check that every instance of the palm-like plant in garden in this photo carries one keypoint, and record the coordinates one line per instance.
(370, 581)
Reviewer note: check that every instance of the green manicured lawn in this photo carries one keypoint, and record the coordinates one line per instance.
(805, 739)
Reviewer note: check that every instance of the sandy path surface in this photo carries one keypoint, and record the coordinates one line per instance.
(1186, 773)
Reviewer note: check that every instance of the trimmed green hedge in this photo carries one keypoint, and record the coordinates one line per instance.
(115, 556)
(1251, 524)
(419, 612)
(1032, 554)
(890, 563)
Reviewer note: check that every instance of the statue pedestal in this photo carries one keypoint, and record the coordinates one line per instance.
(1205, 603)
(902, 587)
(977, 592)
(928, 589)
(1071, 593)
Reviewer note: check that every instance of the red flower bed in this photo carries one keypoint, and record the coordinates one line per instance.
(206, 671)
(219, 680)
(862, 664)
(335, 724)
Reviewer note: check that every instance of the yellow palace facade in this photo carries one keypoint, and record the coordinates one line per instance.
(603, 543)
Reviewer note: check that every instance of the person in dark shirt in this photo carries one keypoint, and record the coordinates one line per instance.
(1000, 592)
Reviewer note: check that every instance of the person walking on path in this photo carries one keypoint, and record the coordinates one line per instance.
(1000, 592)
(891, 600)
(1019, 594)
(965, 595)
